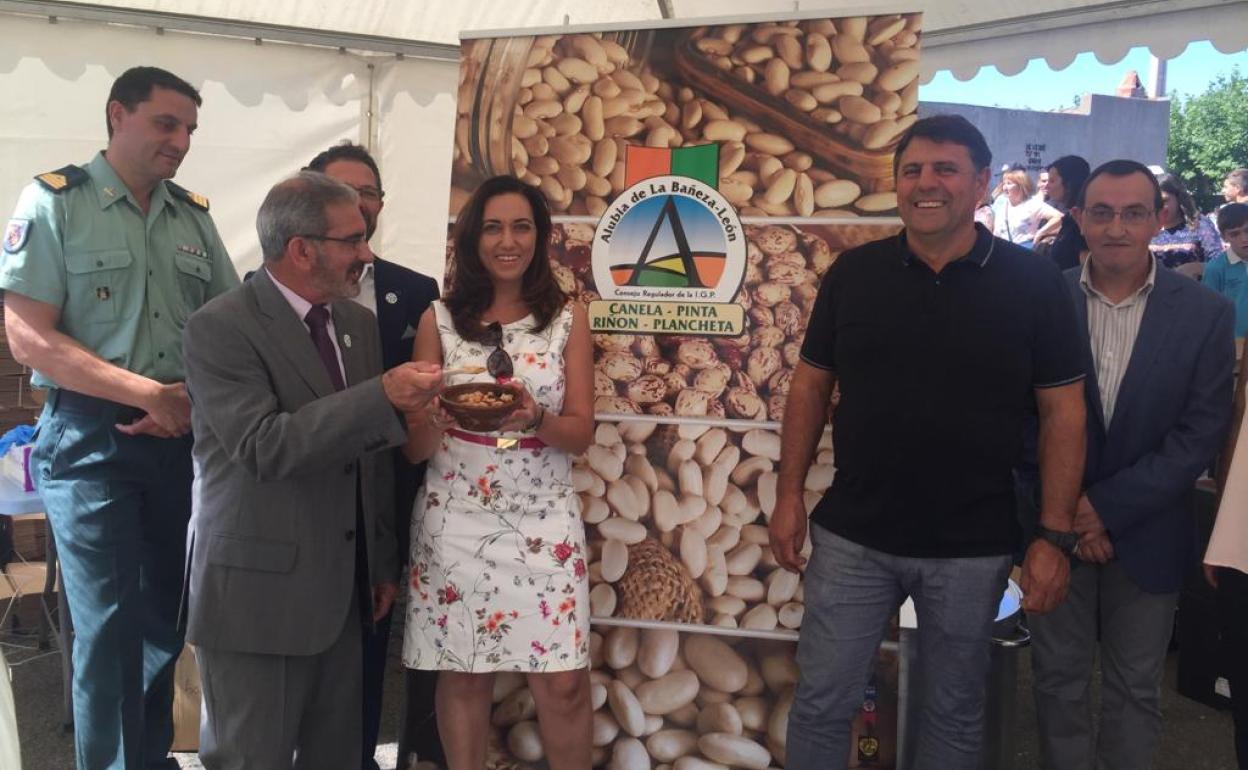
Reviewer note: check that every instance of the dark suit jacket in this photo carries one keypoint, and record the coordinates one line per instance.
(398, 321)
(1170, 417)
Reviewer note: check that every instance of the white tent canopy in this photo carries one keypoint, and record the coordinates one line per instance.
(283, 79)
(960, 36)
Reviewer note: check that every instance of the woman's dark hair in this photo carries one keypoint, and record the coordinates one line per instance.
(1172, 184)
(1074, 172)
(470, 292)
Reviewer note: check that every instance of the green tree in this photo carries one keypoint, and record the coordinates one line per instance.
(1209, 136)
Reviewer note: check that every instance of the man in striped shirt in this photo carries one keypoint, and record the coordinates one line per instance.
(1159, 353)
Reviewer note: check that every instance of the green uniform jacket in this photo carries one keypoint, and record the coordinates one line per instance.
(125, 282)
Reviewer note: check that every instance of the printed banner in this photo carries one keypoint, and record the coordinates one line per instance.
(805, 113)
(703, 179)
(662, 695)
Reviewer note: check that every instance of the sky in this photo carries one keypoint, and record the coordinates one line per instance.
(1039, 88)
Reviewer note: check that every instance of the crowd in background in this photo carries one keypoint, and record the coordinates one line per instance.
(1206, 246)
(1007, 393)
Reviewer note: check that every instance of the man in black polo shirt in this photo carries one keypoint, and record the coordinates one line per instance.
(939, 339)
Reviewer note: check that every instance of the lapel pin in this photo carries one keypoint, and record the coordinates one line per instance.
(346, 340)
(391, 298)
(110, 192)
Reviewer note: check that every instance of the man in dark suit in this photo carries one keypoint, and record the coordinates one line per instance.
(399, 297)
(293, 544)
(1159, 354)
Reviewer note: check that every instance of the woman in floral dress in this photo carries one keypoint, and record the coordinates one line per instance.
(498, 579)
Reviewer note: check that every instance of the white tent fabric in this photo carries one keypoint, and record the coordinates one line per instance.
(961, 36)
(269, 108)
(964, 36)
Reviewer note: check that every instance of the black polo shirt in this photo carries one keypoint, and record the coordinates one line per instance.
(936, 372)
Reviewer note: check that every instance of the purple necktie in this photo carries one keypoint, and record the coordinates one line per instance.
(317, 320)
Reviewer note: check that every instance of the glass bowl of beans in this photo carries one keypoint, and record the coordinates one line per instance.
(479, 406)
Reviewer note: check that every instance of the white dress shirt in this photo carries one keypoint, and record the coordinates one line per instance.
(1112, 329)
(368, 290)
(301, 307)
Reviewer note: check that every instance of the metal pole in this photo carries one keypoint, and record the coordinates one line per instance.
(1156, 77)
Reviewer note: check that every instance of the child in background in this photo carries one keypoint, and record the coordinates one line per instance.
(1227, 273)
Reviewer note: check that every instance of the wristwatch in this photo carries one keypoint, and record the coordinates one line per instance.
(1066, 542)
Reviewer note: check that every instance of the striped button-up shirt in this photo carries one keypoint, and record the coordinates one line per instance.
(1112, 329)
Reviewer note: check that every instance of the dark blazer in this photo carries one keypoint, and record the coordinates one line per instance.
(398, 320)
(1170, 418)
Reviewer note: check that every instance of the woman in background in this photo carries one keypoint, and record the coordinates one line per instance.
(1186, 238)
(983, 212)
(1066, 177)
(1020, 216)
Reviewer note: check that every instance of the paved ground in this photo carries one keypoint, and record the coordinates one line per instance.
(1196, 737)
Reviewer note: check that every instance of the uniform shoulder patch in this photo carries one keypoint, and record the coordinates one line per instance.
(15, 235)
(63, 178)
(193, 198)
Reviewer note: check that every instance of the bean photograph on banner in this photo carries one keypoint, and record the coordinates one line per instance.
(702, 181)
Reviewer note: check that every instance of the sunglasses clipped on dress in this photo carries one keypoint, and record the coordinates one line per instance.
(499, 363)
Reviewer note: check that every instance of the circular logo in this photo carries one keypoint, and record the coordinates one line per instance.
(669, 238)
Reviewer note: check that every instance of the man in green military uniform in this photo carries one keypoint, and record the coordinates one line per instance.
(102, 265)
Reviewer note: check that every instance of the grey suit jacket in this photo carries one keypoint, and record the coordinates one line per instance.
(278, 455)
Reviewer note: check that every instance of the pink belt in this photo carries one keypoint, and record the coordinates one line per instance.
(496, 441)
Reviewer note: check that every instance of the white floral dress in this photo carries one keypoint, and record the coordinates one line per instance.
(498, 579)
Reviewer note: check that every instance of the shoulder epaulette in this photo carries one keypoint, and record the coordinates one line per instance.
(193, 198)
(63, 178)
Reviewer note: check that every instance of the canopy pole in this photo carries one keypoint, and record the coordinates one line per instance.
(1156, 77)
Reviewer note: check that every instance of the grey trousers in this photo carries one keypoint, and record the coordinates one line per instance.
(851, 593)
(1135, 632)
(278, 712)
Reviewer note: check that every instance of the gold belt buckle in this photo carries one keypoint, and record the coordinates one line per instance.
(506, 443)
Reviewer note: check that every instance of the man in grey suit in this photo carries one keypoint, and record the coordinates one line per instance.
(1159, 352)
(291, 412)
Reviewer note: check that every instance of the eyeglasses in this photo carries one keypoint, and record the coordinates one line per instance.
(499, 363)
(355, 241)
(1130, 216)
(369, 193)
